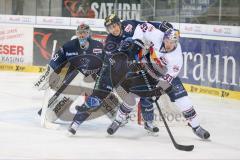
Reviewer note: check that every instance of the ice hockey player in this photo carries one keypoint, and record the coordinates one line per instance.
(79, 53)
(118, 31)
(163, 65)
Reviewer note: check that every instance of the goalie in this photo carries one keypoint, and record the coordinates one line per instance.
(84, 57)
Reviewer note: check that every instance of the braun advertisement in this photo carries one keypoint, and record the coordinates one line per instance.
(213, 63)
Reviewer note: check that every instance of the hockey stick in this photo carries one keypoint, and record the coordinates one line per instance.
(52, 55)
(66, 83)
(176, 145)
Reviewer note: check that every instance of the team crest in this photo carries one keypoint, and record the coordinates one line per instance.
(97, 50)
(128, 28)
(176, 68)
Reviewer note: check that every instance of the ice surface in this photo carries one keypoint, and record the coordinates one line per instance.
(21, 136)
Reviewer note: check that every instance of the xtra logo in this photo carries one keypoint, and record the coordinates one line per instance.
(224, 94)
(20, 68)
(42, 42)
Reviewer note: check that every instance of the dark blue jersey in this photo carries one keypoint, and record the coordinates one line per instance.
(73, 53)
(128, 27)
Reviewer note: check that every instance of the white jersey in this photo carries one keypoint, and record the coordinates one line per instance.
(167, 64)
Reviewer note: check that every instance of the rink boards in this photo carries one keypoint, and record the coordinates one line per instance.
(189, 87)
(210, 52)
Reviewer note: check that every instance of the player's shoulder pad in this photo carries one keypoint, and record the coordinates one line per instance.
(110, 37)
(130, 25)
(131, 22)
(71, 45)
(155, 24)
(96, 43)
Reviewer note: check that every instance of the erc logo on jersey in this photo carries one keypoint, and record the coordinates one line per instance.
(176, 68)
(71, 53)
(97, 50)
(128, 28)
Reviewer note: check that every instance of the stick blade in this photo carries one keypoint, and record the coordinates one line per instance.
(184, 147)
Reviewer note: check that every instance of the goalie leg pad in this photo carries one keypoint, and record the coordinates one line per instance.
(110, 106)
(48, 79)
(58, 107)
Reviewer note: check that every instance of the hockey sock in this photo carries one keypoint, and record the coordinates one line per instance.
(80, 117)
(147, 109)
(123, 112)
(185, 105)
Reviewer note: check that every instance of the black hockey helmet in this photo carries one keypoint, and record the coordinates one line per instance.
(111, 19)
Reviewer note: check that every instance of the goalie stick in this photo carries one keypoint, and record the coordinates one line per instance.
(176, 145)
(66, 83)
(52, 55)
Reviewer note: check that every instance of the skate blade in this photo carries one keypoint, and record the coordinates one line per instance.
(153, 134)
(49, 125)
(69, 134)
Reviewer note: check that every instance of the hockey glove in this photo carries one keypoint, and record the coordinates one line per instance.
(131, 48)
(163, 83)
(136, 47)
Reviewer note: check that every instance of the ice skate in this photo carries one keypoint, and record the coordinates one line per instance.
(73, 128)
(150, 127)
(113, 127)
(200, 132)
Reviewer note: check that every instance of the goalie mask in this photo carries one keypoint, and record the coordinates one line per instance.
(83, 33)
